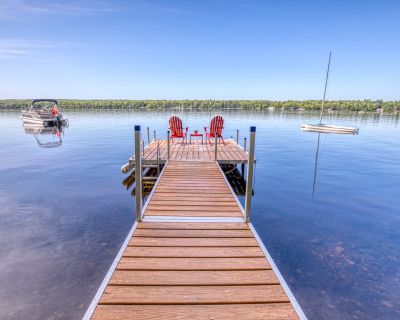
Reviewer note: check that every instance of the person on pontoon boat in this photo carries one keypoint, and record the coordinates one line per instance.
(55, 112)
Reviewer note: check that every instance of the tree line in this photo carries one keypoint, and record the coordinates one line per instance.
(339, 105)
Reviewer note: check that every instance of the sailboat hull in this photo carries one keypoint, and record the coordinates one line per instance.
(329, 128)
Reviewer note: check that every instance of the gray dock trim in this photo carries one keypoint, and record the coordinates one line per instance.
(285, 287)
(99, 293)
(152, 191)
(230, 188)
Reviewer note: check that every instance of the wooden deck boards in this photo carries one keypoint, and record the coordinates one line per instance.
(193, 270)
(276, 311)
(229, 152)
(192, 189)
(207, 280)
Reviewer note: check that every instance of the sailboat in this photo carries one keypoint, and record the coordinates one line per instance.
(320, 127)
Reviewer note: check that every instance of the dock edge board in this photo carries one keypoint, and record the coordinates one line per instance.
(278, 274)
(110, 272)
(153, 190)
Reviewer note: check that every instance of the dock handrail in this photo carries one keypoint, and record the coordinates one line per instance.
(250, 171)
(216, 146)
(168, 144)
(158, 158)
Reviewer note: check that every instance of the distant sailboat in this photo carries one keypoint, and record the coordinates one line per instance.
(320, 127)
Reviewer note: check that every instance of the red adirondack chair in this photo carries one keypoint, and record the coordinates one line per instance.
(216, 126)
(176, 128)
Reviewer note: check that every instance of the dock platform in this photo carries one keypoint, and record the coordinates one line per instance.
(230, 152)
(193, 257)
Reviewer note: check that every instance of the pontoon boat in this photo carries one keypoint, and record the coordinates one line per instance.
(44, 113)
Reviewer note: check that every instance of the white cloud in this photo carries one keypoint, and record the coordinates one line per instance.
(15, 9)
(20, 48)
(22, 9)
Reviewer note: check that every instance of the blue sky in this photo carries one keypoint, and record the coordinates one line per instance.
(205, 49)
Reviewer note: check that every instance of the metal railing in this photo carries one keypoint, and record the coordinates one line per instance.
(158, 158)
(216, 147)
(168, 144)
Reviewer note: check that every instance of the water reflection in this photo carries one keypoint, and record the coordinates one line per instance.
(64, 215)
(46, 137)
(316, 165)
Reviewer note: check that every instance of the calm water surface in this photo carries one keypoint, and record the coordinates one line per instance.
(64, 212)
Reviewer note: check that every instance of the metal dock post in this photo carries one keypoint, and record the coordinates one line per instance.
(250, 171)
(216, 147)
(168, 144)
(138, 174)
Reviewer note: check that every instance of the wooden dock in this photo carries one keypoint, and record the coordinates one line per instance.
(193, 189)
(230, 152)
(192, 256)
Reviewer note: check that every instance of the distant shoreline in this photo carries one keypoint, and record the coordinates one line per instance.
(299, 105)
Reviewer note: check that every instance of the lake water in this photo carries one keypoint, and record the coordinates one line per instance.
(64, 212)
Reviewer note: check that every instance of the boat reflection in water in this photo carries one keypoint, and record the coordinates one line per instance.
(46, 137)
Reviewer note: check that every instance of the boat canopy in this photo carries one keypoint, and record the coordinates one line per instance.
(44, 100)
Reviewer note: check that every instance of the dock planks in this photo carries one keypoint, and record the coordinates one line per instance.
(193, 270)
(192, 189)
(230, 152)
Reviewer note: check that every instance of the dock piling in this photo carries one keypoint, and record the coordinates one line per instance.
(237, 136)
(158, 158)
(244, 143)
(168, 144)
(155, 135)
(138, 174)
(148, 136)
(250, 171)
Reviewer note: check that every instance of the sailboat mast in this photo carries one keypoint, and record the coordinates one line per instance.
(326, 85)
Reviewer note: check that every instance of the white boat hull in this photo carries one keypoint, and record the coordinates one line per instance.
(329, 128)
(39, 122)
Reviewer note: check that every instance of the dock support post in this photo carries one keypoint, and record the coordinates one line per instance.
(143, 147)
(155, 135)
(237, 136)
(138, 175)
(244, 143)
(148, 136)
(168, 144)
(216, 147)
(158, 158)
(250, 170)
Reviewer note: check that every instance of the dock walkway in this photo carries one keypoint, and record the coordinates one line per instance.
(193, 257)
